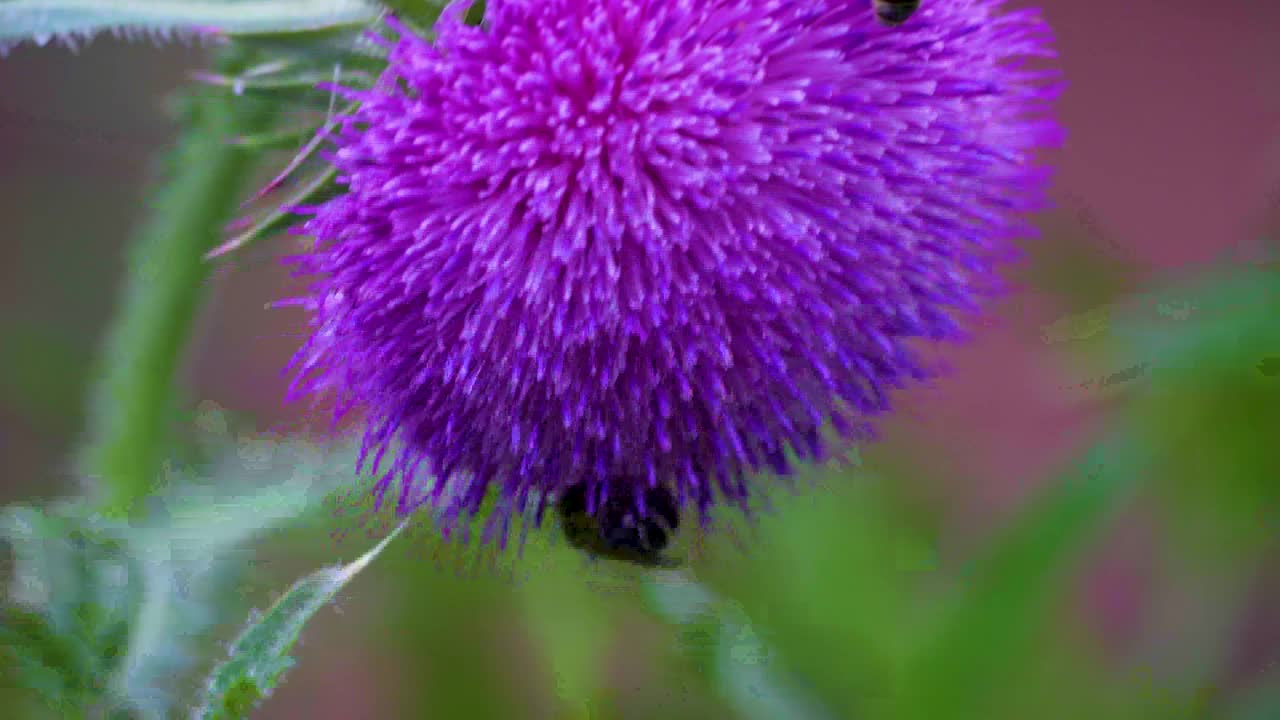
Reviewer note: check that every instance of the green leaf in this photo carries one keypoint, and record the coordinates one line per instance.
(986, 634)
(104, 614)
(319, 188)
(1211, 316)
(194, 544)
(1259, 702)
(1149, 331)
(43, 658)
(73, 596)
(260, 655)
(74, 20)
(421, 14)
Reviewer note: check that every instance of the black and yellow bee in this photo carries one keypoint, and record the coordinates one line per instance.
(895, 12)
(617, 529)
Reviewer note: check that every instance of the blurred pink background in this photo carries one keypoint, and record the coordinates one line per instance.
(1172, 160)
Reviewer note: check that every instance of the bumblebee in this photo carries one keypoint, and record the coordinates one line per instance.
(617, 529)
(895, 12)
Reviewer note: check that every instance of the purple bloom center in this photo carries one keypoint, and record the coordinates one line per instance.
(642, 242)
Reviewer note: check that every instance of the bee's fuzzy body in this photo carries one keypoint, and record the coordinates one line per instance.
(895, 12)
(618, 529)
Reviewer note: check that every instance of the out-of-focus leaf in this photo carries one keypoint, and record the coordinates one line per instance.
(737, 657)
(1261, 702)
(1076, 262)
(260, 655)
(275, 140)
(1159, 311)
(421, 14)
(457, 651)
(42, 657)
(1146, 331)
(1214, 415)
(841, 568)
(73, 597)
(1209, 317)
(1189, 332)
(121, 605)
(195, 541)
(74, 20)
(574, 632)
(986, 634)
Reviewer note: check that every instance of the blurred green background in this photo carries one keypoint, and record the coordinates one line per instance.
(967, 537)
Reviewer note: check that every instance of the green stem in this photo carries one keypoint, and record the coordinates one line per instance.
(164, 288)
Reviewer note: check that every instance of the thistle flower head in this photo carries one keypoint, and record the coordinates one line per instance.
(629, 243)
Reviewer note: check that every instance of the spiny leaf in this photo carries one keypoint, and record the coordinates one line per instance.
(351, 47)
(71, 21)
(101, 614)
(301, 85)
(320, 187)
(191, 548)
(260, 655)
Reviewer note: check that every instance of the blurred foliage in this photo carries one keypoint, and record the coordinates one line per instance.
(988, 632)
(1260, 703)
(109, 615)
(1077, 263)
(73, 21)
(1210, 396)
(67, 622)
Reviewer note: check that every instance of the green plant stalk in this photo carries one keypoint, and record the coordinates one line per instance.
(165, 285)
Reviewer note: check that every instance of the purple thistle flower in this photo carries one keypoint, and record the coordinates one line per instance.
(631, 243)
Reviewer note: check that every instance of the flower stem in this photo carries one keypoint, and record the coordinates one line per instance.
(164, 289)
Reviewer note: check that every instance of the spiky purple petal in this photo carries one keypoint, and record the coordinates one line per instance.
(632, 242)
